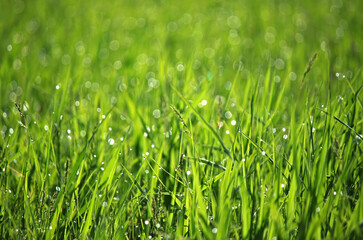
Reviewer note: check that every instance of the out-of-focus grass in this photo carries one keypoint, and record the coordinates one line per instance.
(194, 119)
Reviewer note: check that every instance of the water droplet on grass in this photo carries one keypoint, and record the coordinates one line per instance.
(214, 230)
(292, 76)
(228, 114)
(279, 64)
(111, 141)
(180, 67)
(156, 113)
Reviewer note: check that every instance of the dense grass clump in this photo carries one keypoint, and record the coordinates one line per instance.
(193, 119)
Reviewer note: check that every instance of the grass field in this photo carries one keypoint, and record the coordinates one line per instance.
(181, 119)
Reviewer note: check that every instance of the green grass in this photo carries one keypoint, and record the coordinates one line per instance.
(172, 120)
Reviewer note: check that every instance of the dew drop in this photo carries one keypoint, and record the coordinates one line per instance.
(228, 114)
(111, 141)
(156, 113)
(180, 67)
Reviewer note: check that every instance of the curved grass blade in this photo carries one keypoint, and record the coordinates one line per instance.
(343, 123)
(261, 149)
(205, 123)
(205, 161)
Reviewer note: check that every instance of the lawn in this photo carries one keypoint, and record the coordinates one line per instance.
(181, 119)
